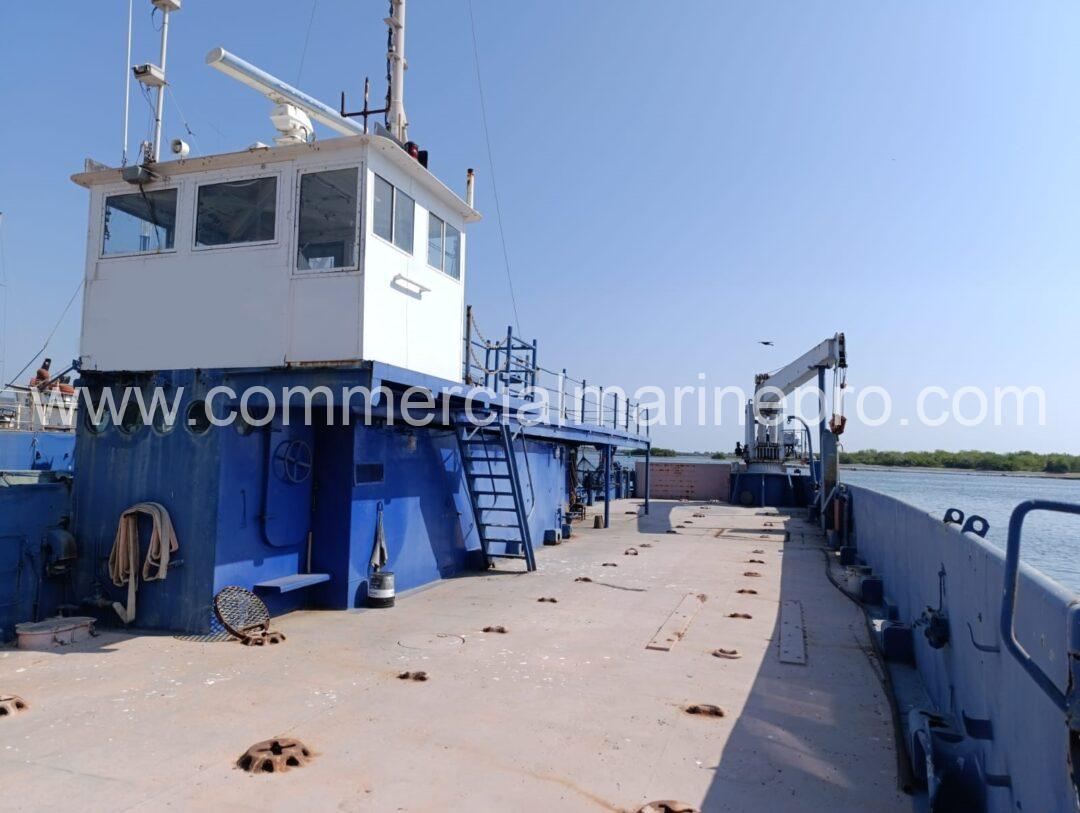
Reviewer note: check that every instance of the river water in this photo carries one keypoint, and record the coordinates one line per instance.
(1051, 542)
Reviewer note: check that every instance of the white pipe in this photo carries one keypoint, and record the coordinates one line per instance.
(399, 125)
(278, 92)
(127, 88)
(160, 108)
(470, 188)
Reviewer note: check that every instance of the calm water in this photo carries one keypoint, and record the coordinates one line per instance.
(1051, 541)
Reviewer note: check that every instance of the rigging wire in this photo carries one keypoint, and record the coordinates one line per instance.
(52, 333)
(183, 119)
(491, 166)
(307, 39)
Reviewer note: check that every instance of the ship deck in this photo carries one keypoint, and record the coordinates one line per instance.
(568, 710)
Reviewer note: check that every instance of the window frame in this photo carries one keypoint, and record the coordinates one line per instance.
(442, 242)
(126, 190)
(460, 255)
(248, 176)
(359, 229)
(393, 216)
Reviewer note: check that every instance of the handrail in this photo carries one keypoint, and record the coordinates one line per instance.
(509, 365)
(1008, 600)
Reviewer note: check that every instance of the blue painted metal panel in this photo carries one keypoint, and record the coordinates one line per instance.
(771, 489)
(973, 675)
(228, 502)
(42, 451)
(181, 471)
(26, 513)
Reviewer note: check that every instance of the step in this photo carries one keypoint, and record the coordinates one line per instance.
(286, 584)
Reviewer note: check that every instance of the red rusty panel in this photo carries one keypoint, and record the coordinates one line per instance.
(686, 481)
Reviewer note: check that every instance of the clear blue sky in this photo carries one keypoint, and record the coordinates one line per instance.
(677, 180)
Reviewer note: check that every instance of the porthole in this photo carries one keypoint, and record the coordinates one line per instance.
(96, 424)
(162, 425)
(131, 420)
(198, 418)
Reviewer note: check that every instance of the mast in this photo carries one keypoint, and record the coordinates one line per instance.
(396, 121)
(160, 105)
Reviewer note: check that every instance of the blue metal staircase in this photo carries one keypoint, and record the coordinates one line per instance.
(496, 489)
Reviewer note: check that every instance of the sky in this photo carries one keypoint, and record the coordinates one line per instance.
(677, 181)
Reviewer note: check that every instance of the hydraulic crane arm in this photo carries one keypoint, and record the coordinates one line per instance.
(829, 354)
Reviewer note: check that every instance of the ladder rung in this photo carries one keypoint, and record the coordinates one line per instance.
(505, 555)
(500, 525)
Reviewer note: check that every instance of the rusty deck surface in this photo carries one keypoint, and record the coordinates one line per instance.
(568, 710)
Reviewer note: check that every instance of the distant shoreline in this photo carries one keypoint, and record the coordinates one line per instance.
(969, 472)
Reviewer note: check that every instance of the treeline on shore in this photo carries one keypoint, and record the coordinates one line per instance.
(970, 459)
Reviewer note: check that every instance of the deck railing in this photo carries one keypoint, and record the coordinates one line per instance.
(18, 412)
(509, 365)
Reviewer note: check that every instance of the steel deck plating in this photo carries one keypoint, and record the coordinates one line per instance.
(566, 711)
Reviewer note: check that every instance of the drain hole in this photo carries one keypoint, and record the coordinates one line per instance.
(583, 579)
(747, 591)
(752, 573)
(630, 552)
(759, 550)
(731, 654)
(645, 545)
(609, 564)
(548, 599)
(420, 677)
(705, 710)
(499, 629)
(755, 561)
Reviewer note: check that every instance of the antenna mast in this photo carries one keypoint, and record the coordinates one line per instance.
(395, 115)
(166, 7)
(127, 87)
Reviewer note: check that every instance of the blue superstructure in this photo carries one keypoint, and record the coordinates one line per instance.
(290, 510)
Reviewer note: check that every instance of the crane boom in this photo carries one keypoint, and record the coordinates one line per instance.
(828, 354)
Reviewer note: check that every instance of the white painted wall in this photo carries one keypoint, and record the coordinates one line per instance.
(246, 306)
(418, 330)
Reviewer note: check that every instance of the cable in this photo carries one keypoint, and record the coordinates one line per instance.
(183, 118)
(52, 333)
(307, 38)
(491, 167)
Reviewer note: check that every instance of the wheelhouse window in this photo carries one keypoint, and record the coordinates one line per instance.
(236, 212)
(404, 215)
(384, 209)
(452, 261)
(327, 232)
(140, 222)
(394, 215)
(435, 241)
(444, 246)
